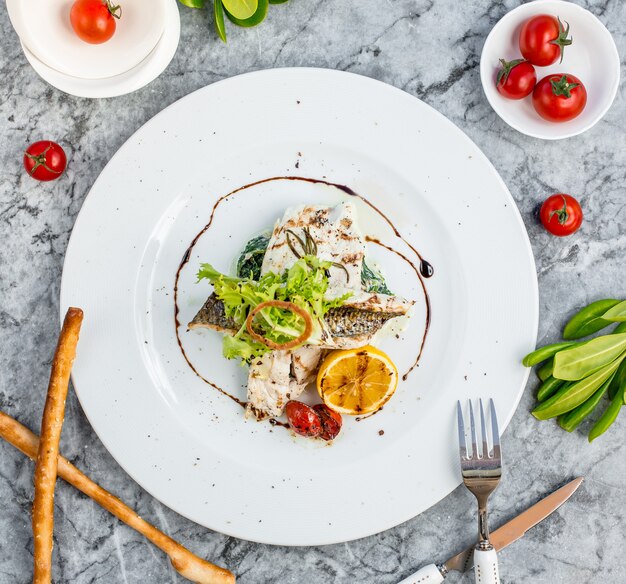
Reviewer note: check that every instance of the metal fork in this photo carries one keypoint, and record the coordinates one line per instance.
(481, 474)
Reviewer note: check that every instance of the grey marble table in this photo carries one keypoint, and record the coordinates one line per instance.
(431, 49)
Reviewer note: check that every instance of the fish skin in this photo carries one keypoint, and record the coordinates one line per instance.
(212, 315)
(343, 321)
(346, 321)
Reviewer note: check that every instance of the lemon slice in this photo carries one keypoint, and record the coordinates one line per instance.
(357, 381)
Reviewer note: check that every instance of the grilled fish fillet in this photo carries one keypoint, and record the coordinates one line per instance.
(279, 376)
(269, 384)
(362, 314)
(338, 239)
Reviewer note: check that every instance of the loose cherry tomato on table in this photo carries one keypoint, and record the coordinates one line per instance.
(561, 215)
(331, 421)
(516, 79)
(45, 160)
(560, 97)
(303, 419)
(94, 20)
(543, 39)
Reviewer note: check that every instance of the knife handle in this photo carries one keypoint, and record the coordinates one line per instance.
(427, 575)
(486, 566)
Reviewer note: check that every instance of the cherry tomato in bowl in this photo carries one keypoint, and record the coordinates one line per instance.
(543, 39)
(45, 160)
(560, 97)
(561, 215)
(516, 79)
(94, 20)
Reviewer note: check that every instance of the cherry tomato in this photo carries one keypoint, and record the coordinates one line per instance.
(45, 160)
(560, 97)
(543, 39)
(94, 20)
(561, 215)
(331, 421)
(516, 79)
(303, 419)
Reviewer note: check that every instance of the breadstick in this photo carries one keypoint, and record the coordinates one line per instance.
(187, 564)
(51, 425)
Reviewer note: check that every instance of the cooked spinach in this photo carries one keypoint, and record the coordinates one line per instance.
(373, 281)
(251, 258)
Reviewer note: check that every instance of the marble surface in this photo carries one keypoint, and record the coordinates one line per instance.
(431, 49)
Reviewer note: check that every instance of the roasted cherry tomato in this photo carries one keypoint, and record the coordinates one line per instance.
(303, 419)
(560, 97)
(45, 160)
(94, 20)
(516, 79)
(331, 421)
(543, 39)
(561, 215)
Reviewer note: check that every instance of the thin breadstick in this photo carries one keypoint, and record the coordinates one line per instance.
(187, 564)
(51, 425)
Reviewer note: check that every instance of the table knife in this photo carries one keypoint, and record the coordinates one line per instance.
(502, 537)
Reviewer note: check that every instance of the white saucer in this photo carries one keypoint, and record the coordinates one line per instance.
(137, 77)
(592, 57)
(44, 27)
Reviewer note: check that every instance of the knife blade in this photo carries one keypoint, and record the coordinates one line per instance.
(516, 528)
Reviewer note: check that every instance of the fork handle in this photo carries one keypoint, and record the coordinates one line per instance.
(486, 566)
(427, 575)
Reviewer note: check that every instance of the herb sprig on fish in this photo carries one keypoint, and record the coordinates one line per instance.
(308, 247)
(304, 285)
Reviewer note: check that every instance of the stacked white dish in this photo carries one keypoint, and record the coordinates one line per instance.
(141, 48)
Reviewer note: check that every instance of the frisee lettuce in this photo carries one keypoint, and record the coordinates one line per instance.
(304, 284)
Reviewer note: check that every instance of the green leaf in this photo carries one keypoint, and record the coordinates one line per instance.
(617, 313)
(256, 18)
(571, 396)
(278, 1)
(549, 387)
(218, 16)
(608, 417)
(193, 3)
(241, 9)
(574, 418)
(620, 328)
(542, 354)
(580, 361)
(589, 320)
(546, 370)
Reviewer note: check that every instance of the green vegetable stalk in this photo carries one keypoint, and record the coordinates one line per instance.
(576, 375)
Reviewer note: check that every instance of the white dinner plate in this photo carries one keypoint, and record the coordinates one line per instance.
(136, 78)
(187, 443)
(592, 57)
(45, 28)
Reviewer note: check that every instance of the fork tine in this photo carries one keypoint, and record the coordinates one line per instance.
(494, 430)
(473, 431)
(461, 425)
(483, 431)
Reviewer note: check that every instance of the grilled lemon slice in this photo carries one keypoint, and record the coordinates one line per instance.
(357, 381)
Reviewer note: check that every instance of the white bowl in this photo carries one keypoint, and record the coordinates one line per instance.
(44, 27)
(149, 69)
(592, 57)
